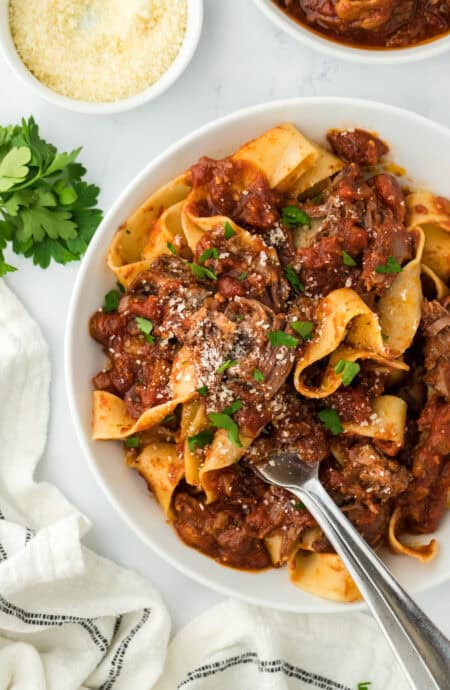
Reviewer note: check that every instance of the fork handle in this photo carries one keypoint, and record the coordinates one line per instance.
(421, 649)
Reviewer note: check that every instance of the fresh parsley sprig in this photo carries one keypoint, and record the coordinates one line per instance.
(47, 211)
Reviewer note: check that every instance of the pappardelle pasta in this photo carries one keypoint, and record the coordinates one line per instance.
(289, 296)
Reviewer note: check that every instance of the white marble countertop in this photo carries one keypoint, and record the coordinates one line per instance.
(241, 60)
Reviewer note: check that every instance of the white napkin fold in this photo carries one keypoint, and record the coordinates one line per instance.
(68, 618)
(71, 620)
(233, 646)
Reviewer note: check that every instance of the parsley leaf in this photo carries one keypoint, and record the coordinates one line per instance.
(348, 370)
(46, 209)
(133, 442)
(200, 440)
(242, 276)
(171, 247)
(203, 390)
(303, 328)
(211, 253)
(364, 685)
(228, 231)
(146, 327)
(221, 420)
(299, 506)
(278, 338)
(202, 272)
(292, 217)
(226, 365)
(258, 376)
(331, 420)
(112, 299)
(234, 407)
(13, 168)
(293, 278)
(391, 266)
(347, 259)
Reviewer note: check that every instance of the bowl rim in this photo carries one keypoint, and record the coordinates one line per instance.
(165, 81)
(70, 340)
(342, 51)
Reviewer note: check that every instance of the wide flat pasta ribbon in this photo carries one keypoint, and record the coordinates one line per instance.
(439, 290)
(324, 575)
(400, 307)
(221, 453)
(334, 315)
(193, 421)
(387, 422)
(325, 166)
(111, 419)
(282, 153)
(431, 213)
(126, 253)
(162, 467)
(422, 552)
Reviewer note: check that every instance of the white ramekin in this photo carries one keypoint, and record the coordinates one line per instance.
(345, 52)
(193, 31)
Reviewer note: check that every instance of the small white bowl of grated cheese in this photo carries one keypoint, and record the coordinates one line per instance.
(99, 56)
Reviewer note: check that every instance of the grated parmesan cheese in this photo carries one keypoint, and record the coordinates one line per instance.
(98, 50)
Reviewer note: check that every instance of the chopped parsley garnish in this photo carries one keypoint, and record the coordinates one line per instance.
(364, 685)
(292, 217)
(384, 337)
(391, 266)
(46, 208)
(229, 231)
(171, 247)
(170, 418)
(278, 338)
(200, 440)
(112, 299)
(348, 370)
(203, 390)
(202, 272)
(226, 365)
(146, 327)
(234, 407)
(293, 278)
(331, 420)
(258, 376)
(303, 328)
(211, 253)
(299, 506)
(221, 420)
(242, 276)
(120, 288)
(347, 259)
(133, 442)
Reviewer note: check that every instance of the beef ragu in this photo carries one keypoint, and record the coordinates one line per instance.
(236, 302)
(373, 23)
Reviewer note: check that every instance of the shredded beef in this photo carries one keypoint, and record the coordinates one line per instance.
(357, 146)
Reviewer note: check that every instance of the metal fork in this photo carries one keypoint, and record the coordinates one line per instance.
(421, 649)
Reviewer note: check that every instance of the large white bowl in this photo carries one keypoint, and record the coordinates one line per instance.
(175, 70)
(318, 41)
(423, 147)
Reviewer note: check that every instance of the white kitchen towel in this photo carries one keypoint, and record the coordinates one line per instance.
(71, 620)
(233, 646)
(68, 618)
